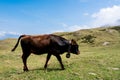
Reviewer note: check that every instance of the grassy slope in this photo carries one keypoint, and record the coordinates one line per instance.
(96, 62)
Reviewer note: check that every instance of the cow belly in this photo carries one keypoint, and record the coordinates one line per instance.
(39, 51)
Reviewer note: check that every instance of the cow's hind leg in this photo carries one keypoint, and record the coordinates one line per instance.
(24, 58)
(60, 60)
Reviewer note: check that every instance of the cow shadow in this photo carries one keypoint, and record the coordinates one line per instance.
(42, 69)
(47, 70)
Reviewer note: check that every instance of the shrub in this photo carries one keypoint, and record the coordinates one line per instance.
(88, 39)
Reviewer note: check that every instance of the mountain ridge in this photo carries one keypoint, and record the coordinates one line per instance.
(98, 36)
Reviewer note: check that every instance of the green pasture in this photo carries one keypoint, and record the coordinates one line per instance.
(96, 61)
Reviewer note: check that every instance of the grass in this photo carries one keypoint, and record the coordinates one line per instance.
(96, 62)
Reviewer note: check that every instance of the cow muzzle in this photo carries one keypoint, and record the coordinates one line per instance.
(78, 52)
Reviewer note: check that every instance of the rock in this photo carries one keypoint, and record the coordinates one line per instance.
(115, 69)
(91, 73)
(106, 43)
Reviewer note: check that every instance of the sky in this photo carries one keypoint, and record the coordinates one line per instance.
(49, 16)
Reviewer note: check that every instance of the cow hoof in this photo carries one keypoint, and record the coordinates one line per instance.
(45, 69)
(25, 70)
(63, 69)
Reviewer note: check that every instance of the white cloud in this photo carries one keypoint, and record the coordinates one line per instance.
(77, 27)
(107, 16)
(64, 25)
(55, 31)
(85, 14)
(3, 33)
(73, 27)
(14, 33)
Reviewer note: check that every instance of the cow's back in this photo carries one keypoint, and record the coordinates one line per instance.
(36, 44)
(44, 43)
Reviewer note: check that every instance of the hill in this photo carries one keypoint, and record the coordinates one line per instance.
(98, 36)
(97, 61)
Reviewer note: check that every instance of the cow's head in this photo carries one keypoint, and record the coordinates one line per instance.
(73, 48)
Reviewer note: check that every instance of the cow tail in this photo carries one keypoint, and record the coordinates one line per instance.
(17, 43)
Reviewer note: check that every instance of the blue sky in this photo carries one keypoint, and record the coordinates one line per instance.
(48, 16)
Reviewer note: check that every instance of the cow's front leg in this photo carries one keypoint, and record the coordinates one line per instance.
(60, 60)
(48, 58)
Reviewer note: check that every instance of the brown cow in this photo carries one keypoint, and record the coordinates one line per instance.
(50, 44)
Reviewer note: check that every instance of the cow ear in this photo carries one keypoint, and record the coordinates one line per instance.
(72, 41)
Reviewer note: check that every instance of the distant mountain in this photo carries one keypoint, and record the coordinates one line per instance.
(98, 36)
(5, 35)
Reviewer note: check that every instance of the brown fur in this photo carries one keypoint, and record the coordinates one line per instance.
(50, 44)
